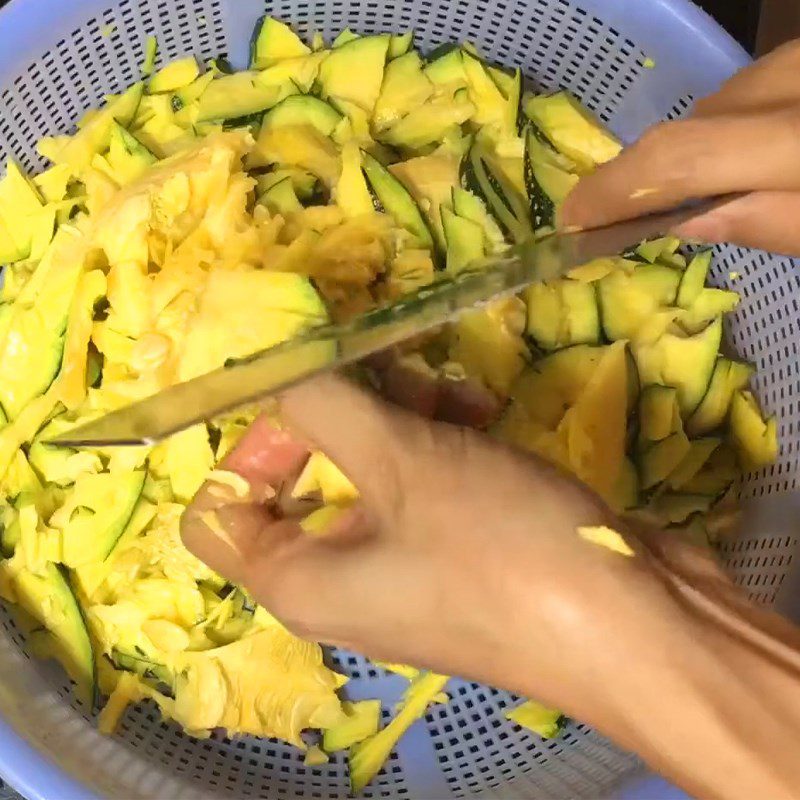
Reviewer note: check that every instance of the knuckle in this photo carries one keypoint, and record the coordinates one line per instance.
(679, 151)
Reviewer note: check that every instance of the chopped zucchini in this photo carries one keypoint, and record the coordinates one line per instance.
(362, 720)
(629, 301)
(470, 206)
(93, 138)
(429, 122)
(694, 279)
(150, 53)
(544, 392)
(127, 157)
(397, 200)
(367, 757)
(549, 178)
(464, 241)
(344, 37)
(685, 362)
(755, 439)
(502, 199)
(488, 343)
(562, 313)
(728, 378)
(298, 146)
(709, 304)
(354, 71)
(239, 95)
(674, 508)
(572, 129)
(301, 71)
(400, 44)
(272, 41)
(661, 459)
(658, 249)
(299, 109)
(281, 198)
(543, 721)
(187, 95)
(98, 511)
(700, 450)
(445, 68)
(351, 193)
(49, 598)
(659, 414)
(430, 179)
(716, 476)
(174, 76)
(489, 103)
(405, 88)
(150, 670)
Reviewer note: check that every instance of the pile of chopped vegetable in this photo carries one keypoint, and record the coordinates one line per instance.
(205, 213)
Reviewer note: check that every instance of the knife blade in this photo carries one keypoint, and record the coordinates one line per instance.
(246, 380)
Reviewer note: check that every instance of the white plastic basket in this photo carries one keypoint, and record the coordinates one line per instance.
(59, 57)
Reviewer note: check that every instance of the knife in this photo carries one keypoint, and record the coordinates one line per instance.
(245, 380)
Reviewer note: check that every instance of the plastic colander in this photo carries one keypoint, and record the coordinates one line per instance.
(59, 57)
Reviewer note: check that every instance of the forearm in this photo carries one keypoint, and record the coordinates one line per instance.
(674, 665)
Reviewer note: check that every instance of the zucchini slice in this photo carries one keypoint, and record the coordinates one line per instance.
(716, 475)
(503, 201)
(464, 241)
(445, 67)
(727, 379)
(302, 109)
(572, 129)
(400, 44)
(661, 459)
(405, 88)
(272, 41)
(354, 71)
(685, 362)
(281, 198)
(470, 206)
(49, 598)
(699, 453)
(694, 279)
(659, 414)
(344, 38)
(710, 303)
(352, 194)
(239, 95)
(629, 301)
(429, 123)
(658, 249)
(396, 200)
(562, 313)
(174, 75)
(489, 102)
(549, 178)
(755, 438)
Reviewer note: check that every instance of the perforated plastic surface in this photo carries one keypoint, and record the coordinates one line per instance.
(60, 57)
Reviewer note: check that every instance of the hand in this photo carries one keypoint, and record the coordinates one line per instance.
(744, 138)
(462, 556)
(454, 536)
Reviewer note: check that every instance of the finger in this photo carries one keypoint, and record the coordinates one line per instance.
(764, 220)
(677, 161)
(266, 455)
(770, 83)
(226, 536)
(362, 435)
